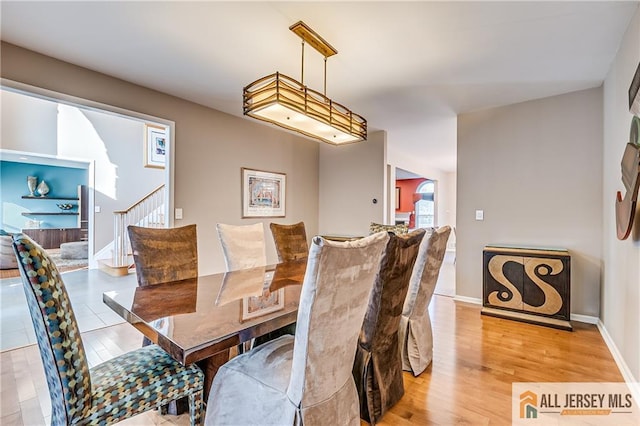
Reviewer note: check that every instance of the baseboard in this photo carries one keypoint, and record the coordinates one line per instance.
(474, 300)
(585, 318)
(631, 381)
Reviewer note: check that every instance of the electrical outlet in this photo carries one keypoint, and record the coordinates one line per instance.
(178, 214)
(479, 214)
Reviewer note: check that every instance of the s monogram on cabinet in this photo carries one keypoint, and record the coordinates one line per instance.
(527, 284)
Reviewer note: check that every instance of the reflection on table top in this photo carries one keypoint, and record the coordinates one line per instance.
(194, 319)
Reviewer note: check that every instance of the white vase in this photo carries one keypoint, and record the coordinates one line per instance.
(43, 189)
(32, 183)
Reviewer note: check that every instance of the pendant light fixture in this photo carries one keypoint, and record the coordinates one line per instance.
(285, 102)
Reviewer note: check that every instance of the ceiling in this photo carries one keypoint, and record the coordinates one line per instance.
(408, 67)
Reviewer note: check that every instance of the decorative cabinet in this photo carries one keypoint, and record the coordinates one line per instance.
(51, 238)
(527, 284)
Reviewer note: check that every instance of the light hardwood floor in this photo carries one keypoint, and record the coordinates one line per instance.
(469, 382)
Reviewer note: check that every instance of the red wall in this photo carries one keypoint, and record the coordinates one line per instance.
(407, 189)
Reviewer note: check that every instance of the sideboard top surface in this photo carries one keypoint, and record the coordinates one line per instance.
(509, 248)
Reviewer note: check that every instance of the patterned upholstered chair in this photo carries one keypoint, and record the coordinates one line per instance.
(290, 240)
(307, 379)
(243, 246)
(107, 393)
(377, 369)
(416, 337)
(402, 228)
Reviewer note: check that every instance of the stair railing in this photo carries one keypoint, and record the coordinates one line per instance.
(148, 212)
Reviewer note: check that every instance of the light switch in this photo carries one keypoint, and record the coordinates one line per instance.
(479, 214)
(97, 209)
(178, 213)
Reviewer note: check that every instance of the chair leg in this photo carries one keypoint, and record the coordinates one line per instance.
(195, 408)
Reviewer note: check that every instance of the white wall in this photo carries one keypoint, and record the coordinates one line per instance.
(351, 177)
(620, 306)
(28, 122)
(535, 169)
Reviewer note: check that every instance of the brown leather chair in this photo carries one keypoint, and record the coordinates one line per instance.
(164, 254)
(291, 244)
(377, 369)
(291, 241)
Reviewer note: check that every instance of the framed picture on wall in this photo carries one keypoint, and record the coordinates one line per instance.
(397, 198)
(155, 151)
(263, 193)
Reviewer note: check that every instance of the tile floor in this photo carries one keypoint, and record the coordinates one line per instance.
(85, 289)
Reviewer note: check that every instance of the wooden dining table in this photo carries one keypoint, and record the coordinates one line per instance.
(201, 319)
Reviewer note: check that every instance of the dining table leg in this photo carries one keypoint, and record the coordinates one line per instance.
(209, 367)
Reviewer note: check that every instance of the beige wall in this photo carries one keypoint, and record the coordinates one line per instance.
(351, 177)
(210, 149)
(535, 169)
(620, 306)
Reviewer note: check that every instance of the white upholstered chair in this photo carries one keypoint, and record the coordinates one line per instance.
(416, 336)
(307, 379)
(243, 246)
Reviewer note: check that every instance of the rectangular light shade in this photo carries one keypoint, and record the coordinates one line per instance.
(285, 102)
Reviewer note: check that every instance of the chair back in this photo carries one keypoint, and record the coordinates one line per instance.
(382, 319)
(61, 349)
(243, 246)
(333, 301)
(290, 240)
(425, 272)
(164, 254)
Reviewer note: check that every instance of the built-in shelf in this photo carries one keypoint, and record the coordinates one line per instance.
(49, 214)
(35, 197)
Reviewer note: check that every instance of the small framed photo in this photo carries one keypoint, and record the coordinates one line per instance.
(269, 301)
(263, 193)
(155, 146)
(397, 198)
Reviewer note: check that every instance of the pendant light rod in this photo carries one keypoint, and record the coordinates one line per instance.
(302, 72)
(325, 76)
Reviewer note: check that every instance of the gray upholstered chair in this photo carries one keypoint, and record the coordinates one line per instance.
(243, 246)
(117, 389)
(307, 379)
(377, 369)
(416, 337)
(290, 240)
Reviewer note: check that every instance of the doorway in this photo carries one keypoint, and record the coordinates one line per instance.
(126, 159)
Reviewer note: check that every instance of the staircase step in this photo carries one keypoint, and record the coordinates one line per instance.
(107, 266)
